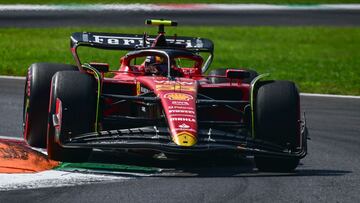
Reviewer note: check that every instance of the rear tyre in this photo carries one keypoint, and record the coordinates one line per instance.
(72, 112)
(277, 112)
(36, 101)
(222, 72)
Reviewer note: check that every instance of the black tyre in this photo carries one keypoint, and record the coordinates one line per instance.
(222, 72)
(73, 102)
(36, 101)
(277, 112)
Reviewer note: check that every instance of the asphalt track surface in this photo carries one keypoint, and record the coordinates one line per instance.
(330, 172)
(225, 18)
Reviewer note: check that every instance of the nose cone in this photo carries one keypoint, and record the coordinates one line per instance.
(185, 139)
(178, 99)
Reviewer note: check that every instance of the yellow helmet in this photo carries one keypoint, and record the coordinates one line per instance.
(159, 59)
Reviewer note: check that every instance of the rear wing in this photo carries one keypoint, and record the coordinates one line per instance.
(134, 42)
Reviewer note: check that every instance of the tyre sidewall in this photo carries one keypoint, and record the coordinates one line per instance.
(76, 91)
(277, 115)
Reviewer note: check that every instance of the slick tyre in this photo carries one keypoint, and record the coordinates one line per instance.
(222, 72)
(276, 117)
(72, 112)
(36, 101)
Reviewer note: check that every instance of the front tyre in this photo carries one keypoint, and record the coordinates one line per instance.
(36, 100)
(72, 112)
(276, 117)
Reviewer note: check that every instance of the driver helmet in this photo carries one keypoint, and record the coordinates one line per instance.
(156, 65)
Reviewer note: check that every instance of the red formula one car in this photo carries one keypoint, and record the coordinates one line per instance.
(161, 100)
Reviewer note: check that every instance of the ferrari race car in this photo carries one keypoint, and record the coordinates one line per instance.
(161, 100)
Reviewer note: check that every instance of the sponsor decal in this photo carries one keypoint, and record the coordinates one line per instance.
(175, 87)
(117, 40)
(144, 90)
(131, 41)
(199, 43)
(182, 111)
(182, 115)
(184, 126)
(183, 119)
(179, 129)
(178, 96)
(164, 87)
(185, 88)
(183, 103)
(140, 89)
(166, 82)
(181, 107)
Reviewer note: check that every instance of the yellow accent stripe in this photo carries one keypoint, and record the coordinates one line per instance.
(138, 88)
(97, 75)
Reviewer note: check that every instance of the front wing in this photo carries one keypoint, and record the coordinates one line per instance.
(151, 138)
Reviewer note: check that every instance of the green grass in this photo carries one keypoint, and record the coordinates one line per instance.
(318, 59)
(176, 1)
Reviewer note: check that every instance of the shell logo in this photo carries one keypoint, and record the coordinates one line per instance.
(178, 96)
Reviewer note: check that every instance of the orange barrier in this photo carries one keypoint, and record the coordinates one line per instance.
(17, 157)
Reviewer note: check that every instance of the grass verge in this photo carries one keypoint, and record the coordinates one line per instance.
(318, 59)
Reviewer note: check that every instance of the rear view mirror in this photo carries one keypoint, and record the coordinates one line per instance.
(101, 67)
(237, 74)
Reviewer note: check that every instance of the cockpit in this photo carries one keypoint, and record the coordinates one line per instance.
(164, 62)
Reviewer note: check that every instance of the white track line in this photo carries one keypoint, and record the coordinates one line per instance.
(11, 138)
(12, 77)
(173, 7)
(302, 94)
(329, 95)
